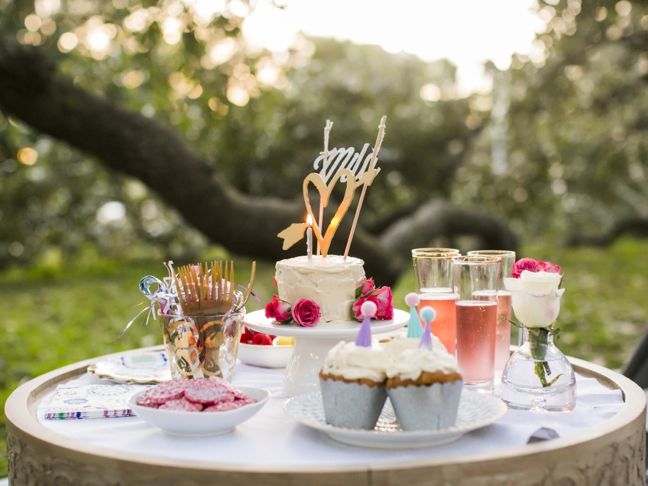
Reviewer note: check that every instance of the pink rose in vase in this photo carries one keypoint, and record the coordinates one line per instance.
(548, 267)
(531, 265)
(306, 312)
(524, 264)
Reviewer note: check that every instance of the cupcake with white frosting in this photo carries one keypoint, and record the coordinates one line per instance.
(352, 379)
(396, 346)
(423, 382)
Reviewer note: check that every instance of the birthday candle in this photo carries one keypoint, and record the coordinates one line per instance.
(309, 237)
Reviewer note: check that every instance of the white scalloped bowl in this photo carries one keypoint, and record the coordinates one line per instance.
(179, 422)
(271, 356)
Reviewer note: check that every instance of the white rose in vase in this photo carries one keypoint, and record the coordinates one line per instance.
(535, 297)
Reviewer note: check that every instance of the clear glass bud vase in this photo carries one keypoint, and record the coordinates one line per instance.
(538, 375)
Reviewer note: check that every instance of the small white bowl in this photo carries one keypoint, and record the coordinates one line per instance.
(271, 356)
(179, 422)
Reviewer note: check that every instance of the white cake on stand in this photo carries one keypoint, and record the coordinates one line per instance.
(330, 281)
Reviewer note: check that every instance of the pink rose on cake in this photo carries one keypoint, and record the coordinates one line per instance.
(278, 309)
(306, 312)
(356, 307)
(367, 285)
(385, 302)
(382, 297)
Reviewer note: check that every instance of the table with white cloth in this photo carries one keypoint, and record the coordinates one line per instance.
(601, 442)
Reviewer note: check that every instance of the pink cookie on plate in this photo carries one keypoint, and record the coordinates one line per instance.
(181, 404)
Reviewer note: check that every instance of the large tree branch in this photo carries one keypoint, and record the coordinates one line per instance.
(438, 218)
(32, 90)
(636, 226)
(127, 142)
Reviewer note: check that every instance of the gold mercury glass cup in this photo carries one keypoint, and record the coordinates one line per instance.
(202, 345)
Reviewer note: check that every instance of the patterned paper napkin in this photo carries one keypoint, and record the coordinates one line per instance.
(72, 401)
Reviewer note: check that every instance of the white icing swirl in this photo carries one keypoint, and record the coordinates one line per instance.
(355, 362)
(396, 346)
(408, 361)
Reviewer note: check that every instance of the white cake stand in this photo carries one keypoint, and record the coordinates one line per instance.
(312, 344)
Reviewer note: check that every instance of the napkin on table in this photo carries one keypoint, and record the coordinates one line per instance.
(72, 401)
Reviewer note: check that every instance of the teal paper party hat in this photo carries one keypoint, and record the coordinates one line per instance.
(414, 328)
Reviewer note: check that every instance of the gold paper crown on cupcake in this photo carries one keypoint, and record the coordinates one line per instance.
(337, 165)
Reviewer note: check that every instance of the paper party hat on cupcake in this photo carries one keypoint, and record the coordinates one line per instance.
(368, 310)
(414, 328)
(428, 314)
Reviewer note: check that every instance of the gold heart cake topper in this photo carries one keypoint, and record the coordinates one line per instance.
(349, 170)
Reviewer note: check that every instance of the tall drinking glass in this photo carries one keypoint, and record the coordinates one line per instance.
(474, 279)
(434, 275)
(432, 267)
(503, 327)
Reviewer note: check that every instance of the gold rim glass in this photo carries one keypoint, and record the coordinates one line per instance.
(507, 256)
(434, 251)
(433, 268)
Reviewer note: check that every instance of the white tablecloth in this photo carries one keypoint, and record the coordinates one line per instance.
(273, 438)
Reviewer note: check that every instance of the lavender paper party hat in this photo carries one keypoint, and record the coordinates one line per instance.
(368, 310)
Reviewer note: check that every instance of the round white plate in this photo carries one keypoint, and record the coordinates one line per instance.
(265, 356)
(337, 329)
(476, 410)
(179, 422)
(134, 368)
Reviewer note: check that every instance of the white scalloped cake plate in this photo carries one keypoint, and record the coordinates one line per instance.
(339, 329)
(147, 367)
(476, 410)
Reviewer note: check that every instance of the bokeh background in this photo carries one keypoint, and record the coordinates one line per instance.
(533, 113)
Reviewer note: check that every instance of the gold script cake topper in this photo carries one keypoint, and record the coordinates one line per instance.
(338, 165)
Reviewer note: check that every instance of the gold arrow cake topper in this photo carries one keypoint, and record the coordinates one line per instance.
(360, 177)
(292, 234)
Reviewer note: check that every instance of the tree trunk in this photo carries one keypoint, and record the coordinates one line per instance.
(127, 142)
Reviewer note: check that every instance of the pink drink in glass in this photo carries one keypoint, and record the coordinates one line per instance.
(503, 331)
(445, 325)
(502, 327)
(476, 339)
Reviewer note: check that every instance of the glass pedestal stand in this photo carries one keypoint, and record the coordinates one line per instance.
(538, 376)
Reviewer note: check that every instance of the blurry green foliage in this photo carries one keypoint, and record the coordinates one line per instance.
(567, 148)
(258, 115)
(564, 142)
(561, 137)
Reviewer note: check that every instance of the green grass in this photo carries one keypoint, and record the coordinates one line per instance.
(54, 315)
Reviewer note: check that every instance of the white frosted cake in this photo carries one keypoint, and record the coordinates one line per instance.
(330, 281)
